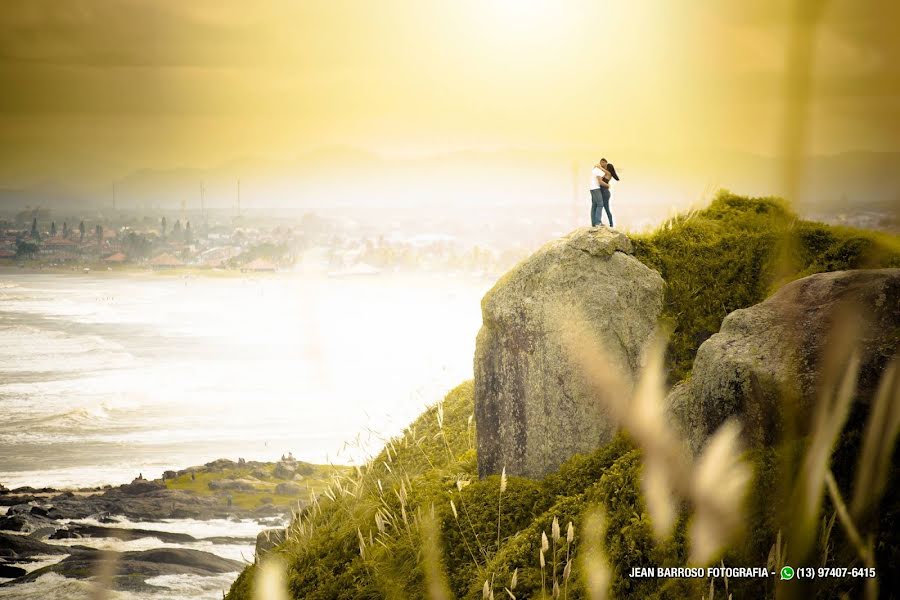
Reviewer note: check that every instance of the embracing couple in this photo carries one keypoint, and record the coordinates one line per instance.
(601, 175)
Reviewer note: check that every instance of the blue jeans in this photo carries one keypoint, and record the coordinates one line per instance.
(600, 201)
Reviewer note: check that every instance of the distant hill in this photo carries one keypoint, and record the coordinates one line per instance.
(655, 182)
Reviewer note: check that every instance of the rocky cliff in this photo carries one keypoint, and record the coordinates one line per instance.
(773, 351)
(531, 404)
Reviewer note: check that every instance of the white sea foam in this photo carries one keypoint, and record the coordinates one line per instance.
(170, 587)
(104, 377)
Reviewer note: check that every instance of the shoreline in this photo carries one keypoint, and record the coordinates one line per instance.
(238, 486)
(140, 272)
(205, 520)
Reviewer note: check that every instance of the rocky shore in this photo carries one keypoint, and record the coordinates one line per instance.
(40, 524)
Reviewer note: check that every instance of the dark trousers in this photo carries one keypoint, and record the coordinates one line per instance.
(600, 201)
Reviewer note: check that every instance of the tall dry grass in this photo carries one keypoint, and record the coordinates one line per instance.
(714, 484)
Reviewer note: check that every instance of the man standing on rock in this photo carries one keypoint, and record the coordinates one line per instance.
(600, 191)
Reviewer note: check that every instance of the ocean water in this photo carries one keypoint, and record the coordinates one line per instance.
(240, 547)
(181, 587)
(56, 587)
(104, 376)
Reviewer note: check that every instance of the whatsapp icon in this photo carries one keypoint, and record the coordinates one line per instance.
(787, 573)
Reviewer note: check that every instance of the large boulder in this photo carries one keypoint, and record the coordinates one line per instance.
(532, 404)
(21, 547)
(773, 350)
(267, 539)
(284, 470)
(11, 571)
(130, 570)
(78, 531)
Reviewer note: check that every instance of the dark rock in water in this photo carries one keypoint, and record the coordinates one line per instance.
(26, 521)
(74, 530)
(10, 571)
(773, 350)
(16, 523)
(42, 533)
(133, 568)
(141, 486)
(268, 539)
(532, 404)
(11, 499)
(20, 546)
(141, 501)
(3, 489)
(47, 512)
(185, 558)
(27, 489)
(20, 509)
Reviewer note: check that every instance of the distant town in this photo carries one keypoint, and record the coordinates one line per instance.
(37, 238)
(337, 241)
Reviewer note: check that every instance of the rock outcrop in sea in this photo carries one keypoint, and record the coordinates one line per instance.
(773, 351)
(131, 570)
(532, 405)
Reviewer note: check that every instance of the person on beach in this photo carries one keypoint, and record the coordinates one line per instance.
(601, 176)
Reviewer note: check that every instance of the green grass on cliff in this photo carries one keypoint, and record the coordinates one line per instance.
(421, 472)
(367, 537)
(734, 254)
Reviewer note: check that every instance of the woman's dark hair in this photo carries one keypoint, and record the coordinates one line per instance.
(612, 170)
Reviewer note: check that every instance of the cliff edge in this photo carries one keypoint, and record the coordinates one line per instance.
(531, 403)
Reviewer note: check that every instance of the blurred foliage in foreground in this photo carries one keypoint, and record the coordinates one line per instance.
(416, 522)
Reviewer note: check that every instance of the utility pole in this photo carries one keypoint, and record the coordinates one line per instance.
(114, 197)
(575, 188)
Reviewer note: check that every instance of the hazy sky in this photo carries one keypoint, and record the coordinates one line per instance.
(93, 89)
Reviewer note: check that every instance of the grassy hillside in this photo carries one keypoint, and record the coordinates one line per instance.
(734, 253)
(416, 518)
